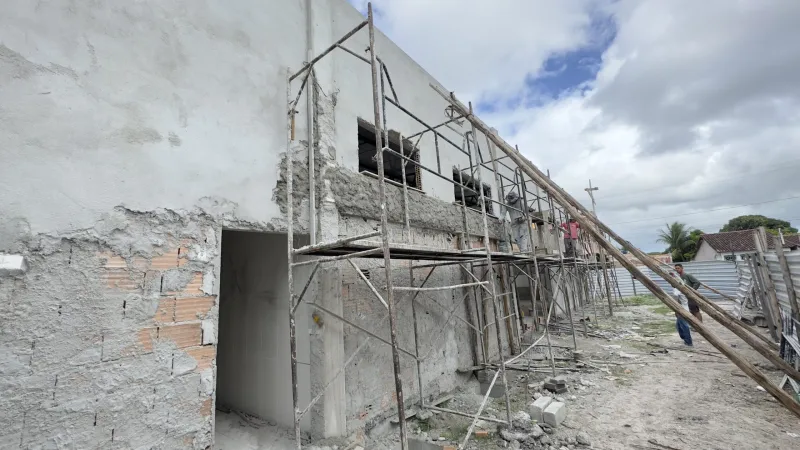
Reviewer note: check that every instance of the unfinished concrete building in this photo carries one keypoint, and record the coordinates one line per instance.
(159, 161)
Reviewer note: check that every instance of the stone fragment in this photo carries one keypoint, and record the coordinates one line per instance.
(583, 439)
(509, 435)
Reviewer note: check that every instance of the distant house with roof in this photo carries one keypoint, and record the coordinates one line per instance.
(732, 245)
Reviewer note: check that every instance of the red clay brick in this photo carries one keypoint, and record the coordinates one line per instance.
(194, 288)
(193, 308)
(166, 311)
(205, 408)
(203, 355)
(168, 260)
(183, 253)
(124, 279)
(112, 261)
(146, 338)
(186, 335)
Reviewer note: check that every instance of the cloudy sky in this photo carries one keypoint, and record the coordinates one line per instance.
(677, 110)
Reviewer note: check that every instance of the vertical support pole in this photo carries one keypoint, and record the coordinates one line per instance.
(376, 95)
(407, 230)
(438, 159)
(290, 277)
(760, 239)
(565, 290)
(787, 278)
(311, 106)
(493, 288)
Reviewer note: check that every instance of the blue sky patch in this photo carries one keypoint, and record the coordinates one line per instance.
(562, 73)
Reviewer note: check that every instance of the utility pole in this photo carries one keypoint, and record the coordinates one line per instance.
(590, 190)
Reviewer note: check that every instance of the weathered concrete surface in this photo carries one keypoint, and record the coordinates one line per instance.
(102, 337)
(137, 132)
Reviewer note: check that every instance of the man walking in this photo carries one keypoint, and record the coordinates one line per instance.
(681, 324)
(693, 283)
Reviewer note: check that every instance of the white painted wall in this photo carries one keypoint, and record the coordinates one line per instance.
(182, 104)
(706, 253)
(143, 104)
(253, 370)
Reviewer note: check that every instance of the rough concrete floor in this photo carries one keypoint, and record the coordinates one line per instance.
(241, 432)
(641, 398)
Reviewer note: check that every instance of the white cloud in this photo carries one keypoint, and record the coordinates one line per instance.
(481, 48)
(694, 108)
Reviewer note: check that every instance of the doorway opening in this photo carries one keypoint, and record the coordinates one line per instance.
(254, 390)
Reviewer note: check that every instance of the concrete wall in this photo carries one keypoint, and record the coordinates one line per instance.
(136, 132)
(253, 374)
(706, 253)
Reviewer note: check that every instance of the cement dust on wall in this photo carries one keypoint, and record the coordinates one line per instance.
(112, 333)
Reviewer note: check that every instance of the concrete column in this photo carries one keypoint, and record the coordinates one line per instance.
(328, 417)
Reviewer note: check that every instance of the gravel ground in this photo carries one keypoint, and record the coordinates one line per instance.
(634, 394)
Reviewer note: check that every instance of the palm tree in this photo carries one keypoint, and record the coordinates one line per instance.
(676, 236)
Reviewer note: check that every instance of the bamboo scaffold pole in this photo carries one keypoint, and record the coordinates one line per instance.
(493, 286)
(596, 228)
(290, 259)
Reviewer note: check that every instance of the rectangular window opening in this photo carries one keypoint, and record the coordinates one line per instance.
(392, 162)
(471, 195)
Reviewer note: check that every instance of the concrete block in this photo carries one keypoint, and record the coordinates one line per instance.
(536, 409)
(12, 264)
(555, 413)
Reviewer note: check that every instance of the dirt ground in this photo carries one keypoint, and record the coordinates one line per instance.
(633, 394)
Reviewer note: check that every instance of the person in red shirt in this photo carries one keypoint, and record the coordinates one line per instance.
(571, 230)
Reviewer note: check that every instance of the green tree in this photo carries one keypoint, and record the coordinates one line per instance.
(754, 221)
(676, 236)
(694, 237)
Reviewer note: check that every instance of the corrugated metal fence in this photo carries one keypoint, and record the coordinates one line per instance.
(793, 258)
(721, 275)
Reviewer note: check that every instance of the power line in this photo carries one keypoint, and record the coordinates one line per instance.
(735, 177)
(709, 210)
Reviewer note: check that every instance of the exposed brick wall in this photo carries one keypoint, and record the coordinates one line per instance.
(108, 349)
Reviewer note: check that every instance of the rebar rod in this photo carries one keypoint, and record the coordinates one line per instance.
(296, 302)
(438, 288)
(369, 283)
(419, 133)
(330, 49)
(422, 122)
(325, 259)
(329, 245)
(360, 328)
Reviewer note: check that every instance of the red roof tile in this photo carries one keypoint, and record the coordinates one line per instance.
(742, 241)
